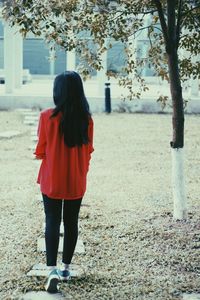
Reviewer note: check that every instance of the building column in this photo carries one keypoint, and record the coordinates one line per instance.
(191, 86)
(18, 59)
(52, 58)
(143, 37)
(194, 83)
(9, 58)
(71, 60)
(194, 87)
(13, 58)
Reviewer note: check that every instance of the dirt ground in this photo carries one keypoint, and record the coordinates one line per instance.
(134, 249)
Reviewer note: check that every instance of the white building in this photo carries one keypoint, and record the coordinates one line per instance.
(21, 60)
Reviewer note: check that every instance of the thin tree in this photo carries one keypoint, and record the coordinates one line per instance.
(174, 25)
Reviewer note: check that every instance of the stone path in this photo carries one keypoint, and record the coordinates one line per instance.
(41, 270)
(9, 134)
(192, 296)
(44, 296)
(31, 118)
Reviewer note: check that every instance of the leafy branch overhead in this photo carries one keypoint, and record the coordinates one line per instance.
(82, 23)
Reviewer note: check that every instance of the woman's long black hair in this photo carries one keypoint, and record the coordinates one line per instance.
(70, 100)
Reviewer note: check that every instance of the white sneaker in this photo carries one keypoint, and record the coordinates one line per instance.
(64, 274)
(52, 282)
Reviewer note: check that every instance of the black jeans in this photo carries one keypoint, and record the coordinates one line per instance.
(55, 209)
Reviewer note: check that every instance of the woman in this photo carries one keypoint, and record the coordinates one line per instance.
(65, 144)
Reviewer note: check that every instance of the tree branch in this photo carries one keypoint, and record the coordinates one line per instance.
(147, 12)
(146, 27)
(143, 28)
(184, 17)
(190, 10)
(162, 20)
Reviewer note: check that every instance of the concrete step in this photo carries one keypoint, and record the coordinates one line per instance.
(30, 122)
(31, 113)
(24, 110)
(10, 134)
(42, 270)
(31, 117)
(44, 296)
(192, 296)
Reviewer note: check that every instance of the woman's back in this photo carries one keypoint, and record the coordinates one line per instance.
(64, 169)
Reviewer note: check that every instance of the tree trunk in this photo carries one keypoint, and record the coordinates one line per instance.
(177, 143)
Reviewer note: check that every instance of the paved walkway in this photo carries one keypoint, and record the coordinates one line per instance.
(31, 119)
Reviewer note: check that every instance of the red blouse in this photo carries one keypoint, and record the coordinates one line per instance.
(63, 170)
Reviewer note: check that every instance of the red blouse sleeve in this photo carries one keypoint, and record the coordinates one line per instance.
(41, 145)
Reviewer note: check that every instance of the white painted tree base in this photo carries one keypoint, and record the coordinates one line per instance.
(178, 184)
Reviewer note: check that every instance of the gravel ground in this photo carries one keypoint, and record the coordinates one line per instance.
(134, 249)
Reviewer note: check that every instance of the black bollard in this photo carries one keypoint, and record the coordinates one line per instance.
(107, 98)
